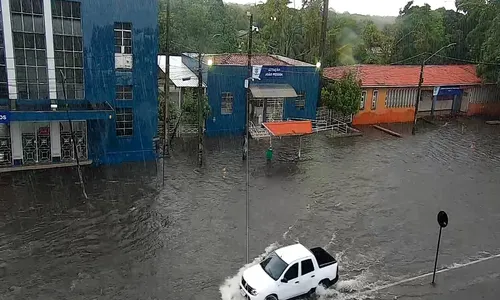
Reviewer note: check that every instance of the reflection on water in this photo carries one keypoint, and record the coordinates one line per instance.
(370, 200)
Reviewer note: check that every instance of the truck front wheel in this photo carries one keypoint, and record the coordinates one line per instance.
(271, 297)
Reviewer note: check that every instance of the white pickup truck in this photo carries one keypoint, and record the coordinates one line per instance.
(289, 272)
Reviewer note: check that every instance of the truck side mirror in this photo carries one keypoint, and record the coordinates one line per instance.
(284, 280)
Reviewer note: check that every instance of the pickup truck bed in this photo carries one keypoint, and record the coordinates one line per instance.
(323, 258)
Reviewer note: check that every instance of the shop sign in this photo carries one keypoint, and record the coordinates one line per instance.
(4, 117)
(260, 72)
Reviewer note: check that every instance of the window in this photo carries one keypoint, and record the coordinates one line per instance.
(300, 101)
(293, 272)
(374, 99)
(67, 23)
(124, 122)
(123, 38)
(30, 56)
(307, 266)
(363, 100)
(227, 103)
(124, 92)
(4, 86)
(273, 265)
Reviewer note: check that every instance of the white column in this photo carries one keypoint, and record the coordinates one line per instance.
(49, 41)
(55, 139)
(15, 137)
(9, 49)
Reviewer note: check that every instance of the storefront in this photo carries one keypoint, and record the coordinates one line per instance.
(47, 139)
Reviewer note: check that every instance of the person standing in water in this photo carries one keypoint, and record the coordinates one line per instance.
(269, 155)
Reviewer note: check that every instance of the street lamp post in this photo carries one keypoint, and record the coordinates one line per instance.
(420, 82)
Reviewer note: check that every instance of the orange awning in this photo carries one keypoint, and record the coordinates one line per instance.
(288, 128)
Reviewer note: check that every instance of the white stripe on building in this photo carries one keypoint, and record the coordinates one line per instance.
(9, 50)
(49, 38)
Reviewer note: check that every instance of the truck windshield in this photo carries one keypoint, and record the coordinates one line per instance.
(274, 266)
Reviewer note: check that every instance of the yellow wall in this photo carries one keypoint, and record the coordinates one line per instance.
(381, 114)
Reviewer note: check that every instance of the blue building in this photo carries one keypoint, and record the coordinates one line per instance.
(281, 89)
(91, 63)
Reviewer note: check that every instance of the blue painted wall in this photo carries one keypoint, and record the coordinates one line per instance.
(231, 79)
(98, 18)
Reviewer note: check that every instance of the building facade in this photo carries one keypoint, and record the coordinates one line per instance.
(390, 92)
(280, 89)
(85, 69)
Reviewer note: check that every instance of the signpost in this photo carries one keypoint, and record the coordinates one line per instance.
(442, 219)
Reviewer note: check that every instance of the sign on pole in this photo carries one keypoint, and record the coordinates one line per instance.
(442, 219)
(4, 117)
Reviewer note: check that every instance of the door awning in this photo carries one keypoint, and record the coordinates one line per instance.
(273, 91)
(289, 128)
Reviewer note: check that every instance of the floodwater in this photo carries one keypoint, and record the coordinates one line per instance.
(370, 200)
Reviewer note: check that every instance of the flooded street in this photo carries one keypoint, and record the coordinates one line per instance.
(371, 200)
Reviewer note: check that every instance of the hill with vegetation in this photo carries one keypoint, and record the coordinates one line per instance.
(211, 26)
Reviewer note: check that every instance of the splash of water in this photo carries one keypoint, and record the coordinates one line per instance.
(346, 289)
(230, 289)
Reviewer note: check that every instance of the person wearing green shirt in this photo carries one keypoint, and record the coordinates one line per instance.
(269, 154)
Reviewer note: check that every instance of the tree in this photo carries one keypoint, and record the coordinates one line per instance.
(343, 95)
(190, 107)
(418, 30)
(483, 18)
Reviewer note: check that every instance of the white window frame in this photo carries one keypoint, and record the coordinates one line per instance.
(227, 98)
(123, 112)
(300, 101)
(363, 100)
(374, 99)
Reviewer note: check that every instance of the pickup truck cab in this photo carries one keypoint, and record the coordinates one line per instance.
(289, 272)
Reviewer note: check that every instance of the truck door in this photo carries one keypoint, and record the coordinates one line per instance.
(307, 275)
(290, 284)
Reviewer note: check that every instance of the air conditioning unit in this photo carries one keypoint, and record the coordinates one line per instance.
(123, 61)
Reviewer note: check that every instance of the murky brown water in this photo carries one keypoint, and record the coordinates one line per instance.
(371, 200)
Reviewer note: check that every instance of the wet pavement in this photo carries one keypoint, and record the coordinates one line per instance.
(371, 200)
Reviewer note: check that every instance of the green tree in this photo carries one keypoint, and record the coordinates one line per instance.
(190, 107)
(483, 18)
(198, 25)
(343, 95)
(418, 30)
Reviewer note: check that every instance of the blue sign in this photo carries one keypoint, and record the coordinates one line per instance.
(4, 117)
(448, 91)
(261, 72)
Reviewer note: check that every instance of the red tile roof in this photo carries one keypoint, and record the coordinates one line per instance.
(404, 76)
(242, 60)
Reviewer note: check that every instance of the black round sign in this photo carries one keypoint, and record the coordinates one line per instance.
(442, 219)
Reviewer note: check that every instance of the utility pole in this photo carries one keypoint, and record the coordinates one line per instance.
(200, 114)
(419, 93)
(249, 66)
(420, 82)
(166, 95)
(324, 27)
(321, 63)
(75, 149)
(246, 146)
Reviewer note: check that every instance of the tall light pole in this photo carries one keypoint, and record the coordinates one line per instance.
(420, 82)
(246, 145)
(166, 94)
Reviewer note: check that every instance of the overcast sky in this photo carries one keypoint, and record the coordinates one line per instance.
(370, 7)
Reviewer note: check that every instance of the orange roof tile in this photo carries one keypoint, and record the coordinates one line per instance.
(289, 128)
(404, 76)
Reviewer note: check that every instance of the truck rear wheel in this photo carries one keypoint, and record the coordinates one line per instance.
(271, 297)
(325, 283)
